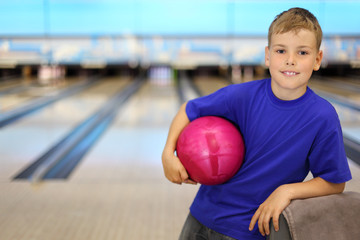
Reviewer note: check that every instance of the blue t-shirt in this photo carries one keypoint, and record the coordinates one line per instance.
(284, 140)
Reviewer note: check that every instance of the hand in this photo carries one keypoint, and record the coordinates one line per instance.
(174, 170)
(271, 208)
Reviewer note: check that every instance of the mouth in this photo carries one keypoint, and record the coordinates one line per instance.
(289, 73)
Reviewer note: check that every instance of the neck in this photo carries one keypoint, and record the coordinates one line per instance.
(287, 94)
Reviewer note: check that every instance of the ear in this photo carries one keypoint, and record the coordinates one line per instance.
(267, 56)
(318, 60)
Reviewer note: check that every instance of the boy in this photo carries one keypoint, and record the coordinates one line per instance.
(288, 131)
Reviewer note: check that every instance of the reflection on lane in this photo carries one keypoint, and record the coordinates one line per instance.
(25, 140)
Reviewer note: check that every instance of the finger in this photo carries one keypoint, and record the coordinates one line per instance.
(183, 175)
(276, 221)
(260, 224)
(175, 178)
(190, 181)
(254, 218)
(266, 224)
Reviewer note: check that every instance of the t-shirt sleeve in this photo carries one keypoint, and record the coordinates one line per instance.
(327, 158)
(214, 104)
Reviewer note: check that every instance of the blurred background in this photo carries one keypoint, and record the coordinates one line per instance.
(187, 34)
(88, 89)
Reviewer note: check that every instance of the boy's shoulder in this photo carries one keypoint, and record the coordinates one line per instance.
(323, 108)
(322, 104)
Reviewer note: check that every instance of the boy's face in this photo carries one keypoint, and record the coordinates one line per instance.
(291, 58)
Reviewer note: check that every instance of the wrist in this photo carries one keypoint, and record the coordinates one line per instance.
(168, 151)
(288, 190)
(170, 148)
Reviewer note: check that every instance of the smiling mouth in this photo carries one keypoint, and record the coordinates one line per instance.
(289, 73)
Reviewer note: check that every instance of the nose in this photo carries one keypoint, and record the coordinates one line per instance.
(291, 60)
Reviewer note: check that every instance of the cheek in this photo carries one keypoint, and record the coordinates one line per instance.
(308, 66)
(275, 63)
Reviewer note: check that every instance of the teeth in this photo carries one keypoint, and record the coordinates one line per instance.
(290, 73)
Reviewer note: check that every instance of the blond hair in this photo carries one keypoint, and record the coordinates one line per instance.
(296, 19)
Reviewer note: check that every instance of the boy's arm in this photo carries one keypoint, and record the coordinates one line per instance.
(282, 196)
(173, 169)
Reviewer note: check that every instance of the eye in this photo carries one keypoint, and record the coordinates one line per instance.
(303, 53)
(281, 51)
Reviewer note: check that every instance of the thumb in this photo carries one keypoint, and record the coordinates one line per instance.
(183, 174)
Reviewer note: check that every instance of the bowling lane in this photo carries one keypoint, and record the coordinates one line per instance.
(25, 140)
(135, 138)
(345, 88)
(33, 90)
(8, 88)
(117, 192)
(209, 85)
(126, 163)
(13, 82)
(349, 91)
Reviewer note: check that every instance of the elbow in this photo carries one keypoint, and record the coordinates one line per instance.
(334, 188)
(183, 106)
(338, 187)
(341, 187)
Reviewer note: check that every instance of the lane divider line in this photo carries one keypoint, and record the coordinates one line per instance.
(61, 159)
(11, 116)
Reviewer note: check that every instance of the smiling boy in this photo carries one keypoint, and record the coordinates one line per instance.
(288, 131)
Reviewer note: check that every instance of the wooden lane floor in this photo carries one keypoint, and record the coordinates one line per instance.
(126, 164)
(5, 84)
(117, 192)
(30, 90)
(345, 88)
(25, 139)
(209, 85)
(349, 90)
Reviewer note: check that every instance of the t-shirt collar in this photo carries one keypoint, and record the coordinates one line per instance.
(283, 103)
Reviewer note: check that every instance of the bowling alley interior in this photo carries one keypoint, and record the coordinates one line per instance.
(88, 90)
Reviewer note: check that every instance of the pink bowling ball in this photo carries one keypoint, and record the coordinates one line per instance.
(211, 150)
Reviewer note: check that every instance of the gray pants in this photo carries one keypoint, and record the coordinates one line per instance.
(194, 230)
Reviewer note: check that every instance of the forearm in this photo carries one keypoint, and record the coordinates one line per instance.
(315, 187)
(173, 168)
(282, 196)
(177, 125)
